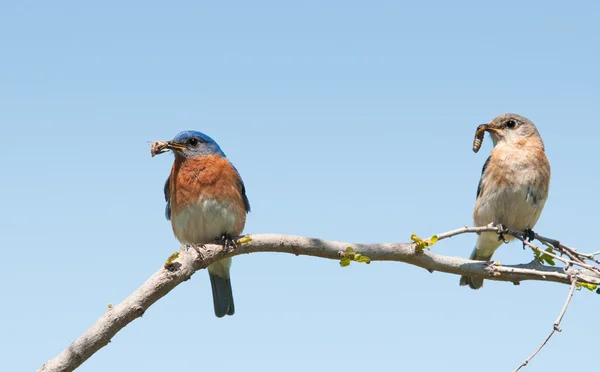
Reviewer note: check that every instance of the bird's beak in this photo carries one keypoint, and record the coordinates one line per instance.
(172, 145)
(160, 147)
(490, 129)
(495, 132)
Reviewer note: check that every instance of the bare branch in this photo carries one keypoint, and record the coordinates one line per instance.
(189, 261)
(556, 327)
(571, 252)
(575, 258)
(593, 254)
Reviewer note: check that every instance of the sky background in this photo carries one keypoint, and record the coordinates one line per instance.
(347, 120)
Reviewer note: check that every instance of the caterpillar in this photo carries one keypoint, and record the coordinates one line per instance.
(478, 140)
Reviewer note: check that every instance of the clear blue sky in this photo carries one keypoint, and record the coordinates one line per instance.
(347, 120)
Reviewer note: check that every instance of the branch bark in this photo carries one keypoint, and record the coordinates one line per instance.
(189, 261)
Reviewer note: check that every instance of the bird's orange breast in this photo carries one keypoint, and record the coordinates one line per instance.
(206, 177)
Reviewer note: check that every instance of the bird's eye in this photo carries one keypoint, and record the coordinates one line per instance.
(193, 142)
(511, 124)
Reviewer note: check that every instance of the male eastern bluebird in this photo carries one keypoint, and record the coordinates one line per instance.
(513, 187)
(206, 201)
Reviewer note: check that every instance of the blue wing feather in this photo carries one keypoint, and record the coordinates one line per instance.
(167, 192)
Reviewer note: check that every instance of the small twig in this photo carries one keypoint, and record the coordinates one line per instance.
(593, 254)
(465, 230)
(581, 256)
(576, 258)
(564, 248)
(556, 327)
(590, 256)
(537, 249)
(573, 255)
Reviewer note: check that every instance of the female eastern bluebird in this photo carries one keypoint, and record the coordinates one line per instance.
(513, 187)
(206, 201)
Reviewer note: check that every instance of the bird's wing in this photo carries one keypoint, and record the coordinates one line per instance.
(167, 192)
(242, 189)
(480, 186)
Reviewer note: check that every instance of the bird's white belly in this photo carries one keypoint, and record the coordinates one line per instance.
(511, 207)
(203, 222)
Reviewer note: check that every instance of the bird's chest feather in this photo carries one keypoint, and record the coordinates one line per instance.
(514, 189)
(205, 200)
(204, 221)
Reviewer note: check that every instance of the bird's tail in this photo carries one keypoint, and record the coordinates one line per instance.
(221, 288)
(478, 255)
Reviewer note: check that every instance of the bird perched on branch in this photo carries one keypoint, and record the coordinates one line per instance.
(206, 201)
(513, 187)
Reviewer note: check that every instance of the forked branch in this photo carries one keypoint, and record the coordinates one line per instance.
(181, 266)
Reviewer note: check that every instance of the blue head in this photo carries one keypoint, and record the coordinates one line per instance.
(190, 144)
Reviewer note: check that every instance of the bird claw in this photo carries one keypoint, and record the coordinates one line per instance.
(529, 235)
(502, 230)
(200, 254)
(228, 242)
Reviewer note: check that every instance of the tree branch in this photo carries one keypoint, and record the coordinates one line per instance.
(555, 328)
(181, 268)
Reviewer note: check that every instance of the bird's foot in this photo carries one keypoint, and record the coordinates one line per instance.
(502, 230)
(198, 251)
(529, 235)
(228, 242)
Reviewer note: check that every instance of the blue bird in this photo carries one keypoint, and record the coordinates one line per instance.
(206, 201)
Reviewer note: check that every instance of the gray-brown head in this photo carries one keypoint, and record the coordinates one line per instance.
(512, 129)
